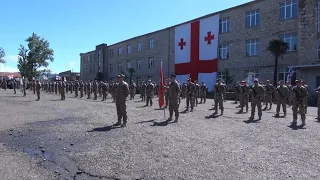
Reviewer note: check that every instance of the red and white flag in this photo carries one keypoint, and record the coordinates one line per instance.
(162, 88)
(196, 51)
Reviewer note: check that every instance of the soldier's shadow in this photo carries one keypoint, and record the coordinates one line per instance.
(104, 129)
(162, 123)
(212, 116)
(252, 121)
(55, 100)
(295, 127)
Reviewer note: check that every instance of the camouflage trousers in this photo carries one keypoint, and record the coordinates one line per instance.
(121, 110)
(298, 107)
(281, 102)
(218, 101)
(190, 101)
(174, 107)
(256, 102)
(244, 101)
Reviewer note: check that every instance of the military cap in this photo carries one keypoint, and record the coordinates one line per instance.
(298, 80)
(268, 81)
(243, 81)
(149, 80)
(172, 75)
(256, 80)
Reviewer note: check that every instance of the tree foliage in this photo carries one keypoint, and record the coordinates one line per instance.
(278, 48)
(2, 54)
(37, 55)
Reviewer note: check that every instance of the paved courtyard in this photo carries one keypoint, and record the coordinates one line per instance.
(74, 139)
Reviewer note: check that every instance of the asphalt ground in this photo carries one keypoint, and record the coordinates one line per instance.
(75, 139)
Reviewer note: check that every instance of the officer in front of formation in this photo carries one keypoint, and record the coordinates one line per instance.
(300, 95)
(121, 94)
(220, 92)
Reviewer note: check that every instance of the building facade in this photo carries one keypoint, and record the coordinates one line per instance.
(245, 33)
(70, 76)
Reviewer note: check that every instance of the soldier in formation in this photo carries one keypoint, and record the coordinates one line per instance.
(269, 90)
(191, 88)
(104, 90)
(300, 95)
(62, 90)
(220, 92)
(257, 92)
(203, 92)
(243, 96)
(143, 91)
(37, 89)
(149, 93)
(121, 94)
(132, 88)
(282, 95)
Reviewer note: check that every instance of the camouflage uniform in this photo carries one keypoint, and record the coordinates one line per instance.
(62, 90)
(174, 96)
(269, 89)
(133, 88)
(76, 88)
(191, 88)
(203, 92)
(282, 95)
(38, 88)
(300, 95)
(122, 92)
(88, 90)
(143, 91)
(244, 96)
(257, 92)
(95, 90)
(149, 93)
(220, 92)
(197, 92)
(104, 90)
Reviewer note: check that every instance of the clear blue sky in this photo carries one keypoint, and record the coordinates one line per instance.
(75, 26)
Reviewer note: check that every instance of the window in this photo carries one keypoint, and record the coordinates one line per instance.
(253, 18)
(224, 51)
(251, 75)
(128, 65)
(151, 43)
(283, 73)
(139, 46)
(288, 9)
(139, 63)
(150, 62)
(119, 51)
(319, 50)
(222, 76)
(291, 39)
(252, 47)
(318, 16)
(129, 49)
(111, 67)
(224, 25)
(111, 53)
(119, 67)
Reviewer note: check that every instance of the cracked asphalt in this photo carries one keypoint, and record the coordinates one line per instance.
(74, 139)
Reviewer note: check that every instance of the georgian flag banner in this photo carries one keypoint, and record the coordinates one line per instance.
(196, 51)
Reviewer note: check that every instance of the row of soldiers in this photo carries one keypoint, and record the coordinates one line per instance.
(283, 94)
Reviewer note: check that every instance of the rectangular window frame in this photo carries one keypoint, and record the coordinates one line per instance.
(129, 49)
(253, 45)
(139, 46)
(150, 62)
(290, 38)
(224, 51)
(253, 18)
(287, 9)
(151, 43)
(224, 25)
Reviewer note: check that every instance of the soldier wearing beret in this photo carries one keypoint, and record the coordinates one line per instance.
(121, 94)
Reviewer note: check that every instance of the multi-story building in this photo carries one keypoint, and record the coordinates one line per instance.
(245, 33)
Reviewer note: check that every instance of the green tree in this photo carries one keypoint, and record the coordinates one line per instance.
(2, 54)
(37, 55)
(131, 71)
(229, 78)
(278, 48)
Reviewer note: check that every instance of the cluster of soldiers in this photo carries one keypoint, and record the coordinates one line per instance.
(282, 95)
(259, 94)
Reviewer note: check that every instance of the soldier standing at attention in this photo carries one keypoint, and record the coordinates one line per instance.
(122, 92)
(104, 90)
(289, 98)
(220, 93)
(244, 96)
(95, 89)
(14, 83)
(132, 88)
(191, 88)
(143, 91)
(81, 85)
(56, 87)
(203, 92)
(174, 96)
(38, 88)
(282, 95)
(88, 90)
(197, 92)
(256, 94)
(100, 88)
(62, 90)
(318, 92)
(76, 88)
(306, 101)
(298, 102)
(237, 92)
(269, 89)
(149, 93)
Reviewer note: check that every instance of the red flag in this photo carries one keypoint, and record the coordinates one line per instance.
(162, 88)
